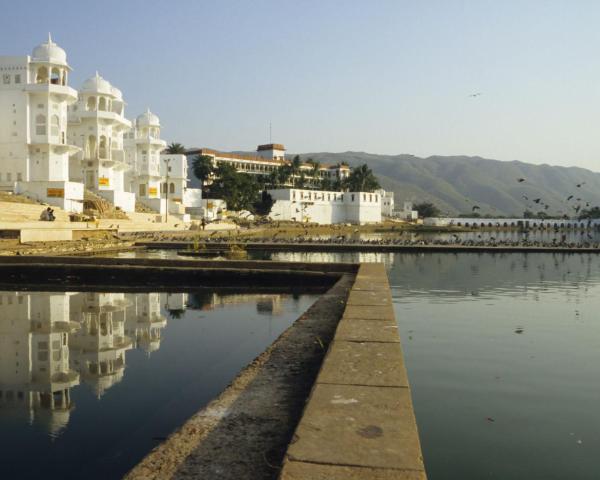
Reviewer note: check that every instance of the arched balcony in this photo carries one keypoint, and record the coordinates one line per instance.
(91, 104)
(41, 75)
(55, 76)
(102, 104)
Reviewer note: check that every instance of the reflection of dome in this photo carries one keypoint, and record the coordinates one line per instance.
(97, 84)
(49, 52)
(147, 119)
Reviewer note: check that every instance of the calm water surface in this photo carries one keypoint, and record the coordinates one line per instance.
(503, 356)
(90, 382)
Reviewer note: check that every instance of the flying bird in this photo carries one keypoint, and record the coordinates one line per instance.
(580, 184)
(473, 95)
(475, 207)
(537, 200)
(569, 197)
(525, 197)
(520, 180)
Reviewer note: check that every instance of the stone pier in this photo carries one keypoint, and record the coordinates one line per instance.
(359, 421)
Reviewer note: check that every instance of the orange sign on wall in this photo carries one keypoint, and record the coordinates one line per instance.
(55, 192)
(152, 191)
(103, 182)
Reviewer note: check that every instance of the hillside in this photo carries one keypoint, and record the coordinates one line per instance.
(457, 183)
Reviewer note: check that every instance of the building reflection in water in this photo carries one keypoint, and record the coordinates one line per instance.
(51, 342)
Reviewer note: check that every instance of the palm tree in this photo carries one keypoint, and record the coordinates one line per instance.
(295, 168)
(175, 148)
(362, 179)
(316, 171)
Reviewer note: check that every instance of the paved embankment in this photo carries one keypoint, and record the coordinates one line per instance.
(359, 421)
(244, 432)
(362, 247)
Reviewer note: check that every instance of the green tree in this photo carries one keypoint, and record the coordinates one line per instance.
(175, 148)
(239, 190)
(202, 166)
(528, 214)
(427, 209)
(326, 184)
(264, 205)
(315, 173)
(362, 179)
(295, 169)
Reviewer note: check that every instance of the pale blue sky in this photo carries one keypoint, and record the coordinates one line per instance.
(377, 76)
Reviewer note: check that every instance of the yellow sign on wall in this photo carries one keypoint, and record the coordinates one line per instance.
(103, 181)
(152, 191)
(55, 192)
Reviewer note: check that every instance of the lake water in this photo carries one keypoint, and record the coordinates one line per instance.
(503, 356)
(91, 382)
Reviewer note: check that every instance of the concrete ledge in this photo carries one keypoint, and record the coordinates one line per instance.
(28, 235)
(359, 420)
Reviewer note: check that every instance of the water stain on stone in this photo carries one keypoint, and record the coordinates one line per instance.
(371, 431)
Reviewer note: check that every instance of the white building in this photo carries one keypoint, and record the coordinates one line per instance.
(182, 200)
(157, 178)
(34, 148)
(322, 207)
(387, 202)
(96, 126)
(142, 153)
(268, 159)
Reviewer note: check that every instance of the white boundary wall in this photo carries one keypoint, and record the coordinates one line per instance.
(325, 207)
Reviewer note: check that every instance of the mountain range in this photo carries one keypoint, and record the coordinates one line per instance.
(455, 184)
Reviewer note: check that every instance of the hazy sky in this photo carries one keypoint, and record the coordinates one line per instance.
(377, 76)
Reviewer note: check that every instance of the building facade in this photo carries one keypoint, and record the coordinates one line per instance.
(96, 125)
(268, 159)
(34, 146)
(323, 207)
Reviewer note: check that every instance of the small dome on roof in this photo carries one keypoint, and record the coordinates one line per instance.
(49, 52)
(97, 84)
(117, 93)
(147, 119)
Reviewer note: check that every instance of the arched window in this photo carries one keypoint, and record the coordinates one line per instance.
(163, 187)
(54, 125)
(102, 104)
(91, 103)
(55, 76)
(102, 147)
(42, 75)
(172, 188)
(40, 124)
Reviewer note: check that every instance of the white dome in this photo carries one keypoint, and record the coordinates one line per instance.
(97, 84)
(49, 52)
(117, 93)
(147, 119)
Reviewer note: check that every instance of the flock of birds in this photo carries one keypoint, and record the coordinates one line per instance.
(538, 202)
